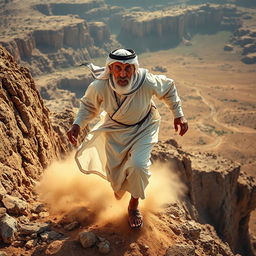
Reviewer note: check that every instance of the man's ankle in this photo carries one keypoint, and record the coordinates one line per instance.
(134, 203)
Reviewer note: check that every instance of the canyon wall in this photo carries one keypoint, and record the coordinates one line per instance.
(77, 7)
(49, 42)
(95, 10)
(100, 33)
(245, 39)
(46, 49)
(222, 195)
(168, 27)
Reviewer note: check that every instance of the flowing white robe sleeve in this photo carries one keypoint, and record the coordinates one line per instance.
(89, 106)
(165, 89)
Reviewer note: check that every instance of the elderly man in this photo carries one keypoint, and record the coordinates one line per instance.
(118, 148)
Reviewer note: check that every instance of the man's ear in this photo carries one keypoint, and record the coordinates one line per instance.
(110, 68)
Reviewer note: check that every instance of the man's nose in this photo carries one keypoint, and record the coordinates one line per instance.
(123, 73)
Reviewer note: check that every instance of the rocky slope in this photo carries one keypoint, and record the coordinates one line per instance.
(220, 193)
(245, 39)
(29, 141)
(218, 197)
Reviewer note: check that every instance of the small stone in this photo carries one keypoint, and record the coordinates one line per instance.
(191, 230)
(30, 244)
(2, 212)
(228, 47)
(174, 217)
(23, 219)
(71, 226)
(54, 247)
(104, 247)
(34, 216)
(3, 253)
(2, 191)
(249, 59)
(34, 235)
(180, 249)
(146, 247)
(39, 208)
(43, 214)
(175, 229)
(18, 243)
(50, 235)
(186, 42)
(133, 246)
(30, 228)
(44, 236)
(87, 239)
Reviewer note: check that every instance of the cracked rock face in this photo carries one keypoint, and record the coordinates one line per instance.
(221, 194)
(29, 141)
(141, 25)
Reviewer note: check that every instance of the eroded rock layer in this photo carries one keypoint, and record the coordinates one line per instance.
(168, 27)
(28, 139)
(222, 195)
(46, 48)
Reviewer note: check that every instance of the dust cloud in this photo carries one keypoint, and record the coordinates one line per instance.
(67, 191)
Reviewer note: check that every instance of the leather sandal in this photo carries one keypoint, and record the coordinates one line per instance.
(132, 215)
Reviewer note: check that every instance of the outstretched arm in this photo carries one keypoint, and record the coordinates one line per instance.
(165, 89)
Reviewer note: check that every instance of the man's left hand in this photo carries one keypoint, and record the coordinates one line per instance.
(183, 123)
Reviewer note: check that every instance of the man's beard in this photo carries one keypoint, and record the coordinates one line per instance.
(123, 89)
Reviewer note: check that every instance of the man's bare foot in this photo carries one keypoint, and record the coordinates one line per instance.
(134, 217)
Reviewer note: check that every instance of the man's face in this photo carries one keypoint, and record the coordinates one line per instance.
(122, 72)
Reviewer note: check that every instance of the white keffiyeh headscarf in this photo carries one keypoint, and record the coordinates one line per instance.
(103, 73)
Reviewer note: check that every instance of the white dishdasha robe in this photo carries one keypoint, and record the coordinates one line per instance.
(118, 152)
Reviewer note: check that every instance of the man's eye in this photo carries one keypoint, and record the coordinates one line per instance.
(117, 68)
(128, 69)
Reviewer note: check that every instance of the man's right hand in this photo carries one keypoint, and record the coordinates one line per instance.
(73, 133)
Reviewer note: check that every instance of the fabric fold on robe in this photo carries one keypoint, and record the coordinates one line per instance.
(118, 153)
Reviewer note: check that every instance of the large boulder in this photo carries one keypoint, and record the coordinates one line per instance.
(8, 229)
(15, 205)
